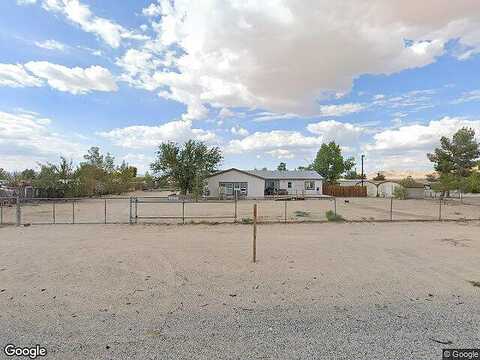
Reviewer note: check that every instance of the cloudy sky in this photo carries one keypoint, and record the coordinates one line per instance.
(268, 81)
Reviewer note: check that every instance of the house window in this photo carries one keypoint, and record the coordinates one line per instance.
(289, 184)
(240, 188)
(310, 185)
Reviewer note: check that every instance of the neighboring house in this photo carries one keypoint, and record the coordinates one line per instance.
(384, 188)
(258, 183)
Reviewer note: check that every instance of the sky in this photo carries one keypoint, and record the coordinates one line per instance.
(267, 81)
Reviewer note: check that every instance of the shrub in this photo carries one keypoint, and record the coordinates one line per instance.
(247, 221)
(331, 216)
(400, 193)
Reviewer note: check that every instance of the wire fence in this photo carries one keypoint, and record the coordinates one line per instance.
(135, 210)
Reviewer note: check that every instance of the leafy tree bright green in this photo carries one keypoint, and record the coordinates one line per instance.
(186, 167)
(330, 163)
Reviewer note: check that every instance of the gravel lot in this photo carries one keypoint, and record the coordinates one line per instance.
(319, 291)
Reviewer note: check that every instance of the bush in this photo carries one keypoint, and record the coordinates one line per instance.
(247, 221)
(331, 216)
(400, 193)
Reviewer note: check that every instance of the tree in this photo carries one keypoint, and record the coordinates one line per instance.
(330, 163)
(379, 177)
(431, 177)
(186, 167)
(353, 175)
(282, 167)
(3, 174)
(457, 156)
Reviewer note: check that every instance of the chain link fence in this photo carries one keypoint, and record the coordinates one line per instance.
(131, 210)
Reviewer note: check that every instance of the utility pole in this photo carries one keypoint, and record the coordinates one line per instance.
(363, 156)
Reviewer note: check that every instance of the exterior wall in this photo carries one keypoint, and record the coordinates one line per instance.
(387, 189)
(298, 187)
(256, 186)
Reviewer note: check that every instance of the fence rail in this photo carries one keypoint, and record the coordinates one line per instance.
(134, 210)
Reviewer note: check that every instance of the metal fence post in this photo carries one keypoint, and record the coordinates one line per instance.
(391, 209)
(1, 213)
(136, 210)
(285, 211)
(183, 211)
(54, 212)
(73, 211)
(105, 208)
(19, 212)
(335, 205)
(255, 233)
(130, 211)
(440, 210)
(236, 211)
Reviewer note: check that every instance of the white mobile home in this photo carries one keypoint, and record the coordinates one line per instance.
(258, 183)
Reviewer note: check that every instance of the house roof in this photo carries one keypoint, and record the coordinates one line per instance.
(277, 174)
(286, 174)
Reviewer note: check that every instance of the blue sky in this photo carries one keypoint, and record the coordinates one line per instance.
(267, 82)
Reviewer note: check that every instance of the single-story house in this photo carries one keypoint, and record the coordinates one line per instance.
(258, 183)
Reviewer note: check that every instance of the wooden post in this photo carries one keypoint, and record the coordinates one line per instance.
(285, 211)
(105, 208)
(19, 212)
(254, 233)
(54, 212)
(391, 209)
(73, 211)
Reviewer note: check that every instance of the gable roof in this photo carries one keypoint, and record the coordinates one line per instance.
(276, 174)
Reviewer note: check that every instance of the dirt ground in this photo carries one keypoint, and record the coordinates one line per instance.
(116, 210)
(318, 291)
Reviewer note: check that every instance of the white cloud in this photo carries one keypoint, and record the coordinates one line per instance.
(137, 137)
(269, 116)
(259, 55)
(80, 14)
(473, 95)
(407, 146)
(225, 113)
(340, 110)
(281, 154)
(26, 2)
(239, 131)
(26, 138)
(15, 75)
(51, 45)
(74, 80)
(272, 140)
(336, 131)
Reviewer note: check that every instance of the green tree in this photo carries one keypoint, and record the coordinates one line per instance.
(457, 156)
(282, 167)
(186, 167)
(330, 163)
(353, 175)
(3, 174)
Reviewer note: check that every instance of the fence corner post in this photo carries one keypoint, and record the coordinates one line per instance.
(391, 208)
(440, 209)
(19, 212)
(130, 211)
